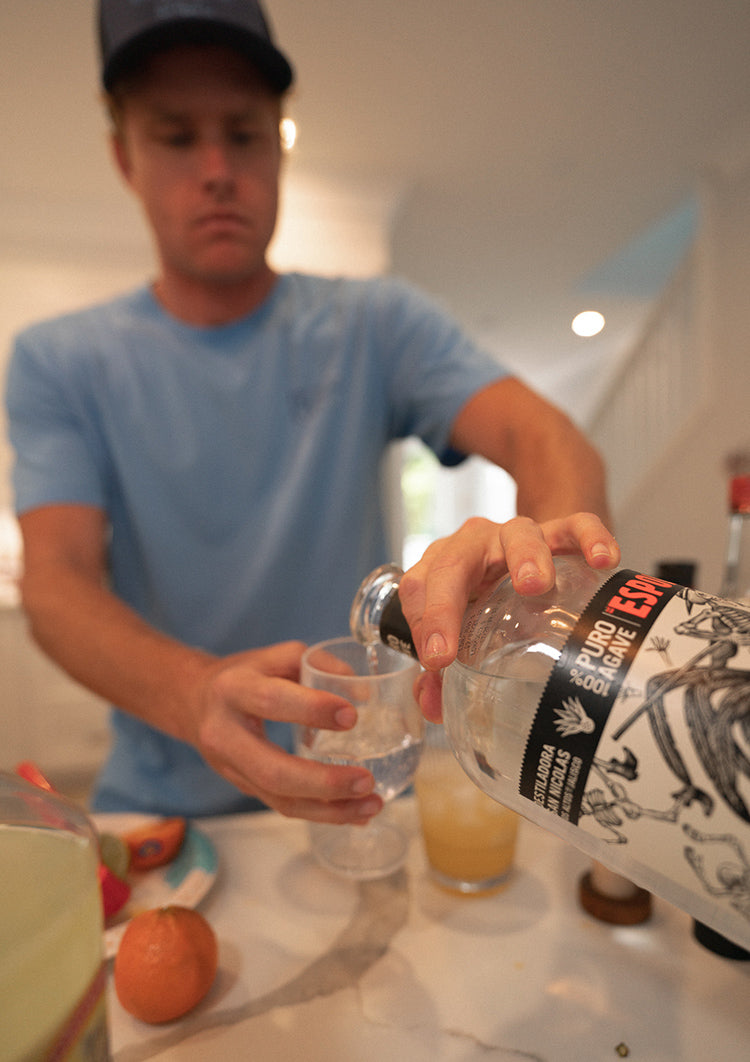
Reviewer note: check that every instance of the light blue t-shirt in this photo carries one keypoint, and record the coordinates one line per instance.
(239, 467)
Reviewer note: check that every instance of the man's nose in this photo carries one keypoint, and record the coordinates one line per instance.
(215, 165)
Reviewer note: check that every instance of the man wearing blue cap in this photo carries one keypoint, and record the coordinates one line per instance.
(197, 461)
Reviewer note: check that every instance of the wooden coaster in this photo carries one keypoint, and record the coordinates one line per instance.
(630, 911)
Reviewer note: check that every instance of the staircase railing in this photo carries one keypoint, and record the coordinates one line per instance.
(655, 391)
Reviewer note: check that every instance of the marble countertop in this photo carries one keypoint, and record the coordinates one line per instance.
(316, 968)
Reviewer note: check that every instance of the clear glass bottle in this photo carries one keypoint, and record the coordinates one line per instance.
(736, 580)
(612, 711)
(52, 972)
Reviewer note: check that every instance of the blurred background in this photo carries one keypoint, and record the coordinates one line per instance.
(521, 160)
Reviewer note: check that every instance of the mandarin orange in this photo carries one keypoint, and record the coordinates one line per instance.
(165, 964)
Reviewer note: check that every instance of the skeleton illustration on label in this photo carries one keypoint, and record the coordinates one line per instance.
(642, 734)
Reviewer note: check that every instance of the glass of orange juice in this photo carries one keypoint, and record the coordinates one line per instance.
(469, 838)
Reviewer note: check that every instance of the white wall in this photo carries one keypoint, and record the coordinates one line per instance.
(678, 509)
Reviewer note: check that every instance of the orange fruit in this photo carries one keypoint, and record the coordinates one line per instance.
(166, 963)
(156, 843)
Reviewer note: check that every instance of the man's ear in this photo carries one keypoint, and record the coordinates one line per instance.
(121, 155)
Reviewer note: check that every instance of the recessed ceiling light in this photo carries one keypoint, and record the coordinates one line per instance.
(589, 323)
(288, 130)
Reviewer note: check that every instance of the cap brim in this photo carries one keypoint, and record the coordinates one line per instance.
(269, 61)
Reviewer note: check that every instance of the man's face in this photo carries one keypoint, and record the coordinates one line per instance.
(199, 146)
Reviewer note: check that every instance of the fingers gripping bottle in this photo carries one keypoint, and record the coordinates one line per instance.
(615, 712)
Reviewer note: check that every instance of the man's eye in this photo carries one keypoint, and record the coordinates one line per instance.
(177, 139)
(243, 136)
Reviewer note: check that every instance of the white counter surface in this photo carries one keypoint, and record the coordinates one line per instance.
(319, 969)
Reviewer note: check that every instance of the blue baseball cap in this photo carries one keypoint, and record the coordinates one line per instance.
(129, 30)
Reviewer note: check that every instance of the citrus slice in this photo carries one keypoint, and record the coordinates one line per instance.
(156, 843)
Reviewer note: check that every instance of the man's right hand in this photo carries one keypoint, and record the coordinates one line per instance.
(238, 694)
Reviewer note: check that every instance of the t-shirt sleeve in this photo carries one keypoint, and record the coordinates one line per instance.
(434, 369)
(57, 458)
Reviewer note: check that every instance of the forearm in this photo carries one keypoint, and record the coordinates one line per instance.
(556, 469)
(106, 647)
(558, 473)
(217, 704)
(562, 507)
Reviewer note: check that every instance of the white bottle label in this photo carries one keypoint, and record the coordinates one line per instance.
(642, 734)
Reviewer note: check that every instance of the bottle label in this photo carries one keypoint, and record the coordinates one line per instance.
(394, 630)
(83, 1037)
(642, 734)
(739, 494)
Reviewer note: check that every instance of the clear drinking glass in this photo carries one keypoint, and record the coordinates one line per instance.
(387, 740)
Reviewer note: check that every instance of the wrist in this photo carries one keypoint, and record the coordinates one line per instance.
(187, 678)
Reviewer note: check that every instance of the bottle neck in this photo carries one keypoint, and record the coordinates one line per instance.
(394, 630)
(376, 614)
(736, 580)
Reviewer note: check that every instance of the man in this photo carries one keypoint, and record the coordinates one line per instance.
(196, 474)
